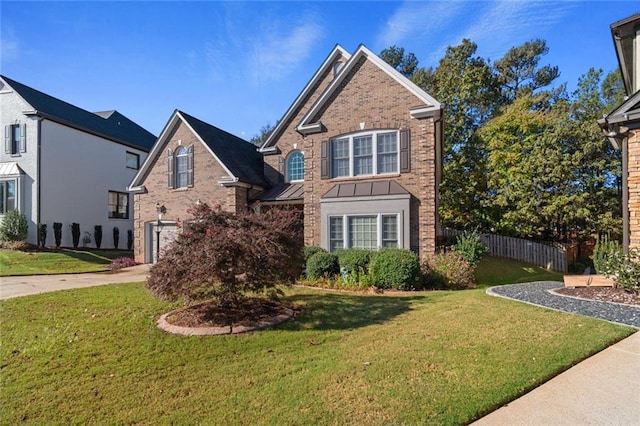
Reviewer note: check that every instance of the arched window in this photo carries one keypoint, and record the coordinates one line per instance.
(180, 167)
(295, 166)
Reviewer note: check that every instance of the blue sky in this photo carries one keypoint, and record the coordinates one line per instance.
(239, 65)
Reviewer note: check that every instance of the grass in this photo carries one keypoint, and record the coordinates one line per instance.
(61, 261)
(94, 355)
(497, 271)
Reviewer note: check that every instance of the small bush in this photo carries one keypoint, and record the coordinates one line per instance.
(354, 260)
(57, 233)
(116, 237)
(97, 235)
(42, 234)
(623, 269)
(470, 247)
(14, 245)
(395, 268)
(448, 271)
(311, 250)
(122, 262)
(604, 250)
(14, 226)
(322, 264)
(75, 234)
(129, 239)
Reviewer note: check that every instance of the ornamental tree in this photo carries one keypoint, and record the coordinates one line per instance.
(224, 255)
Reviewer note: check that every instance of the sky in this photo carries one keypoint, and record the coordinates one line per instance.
(240, 65)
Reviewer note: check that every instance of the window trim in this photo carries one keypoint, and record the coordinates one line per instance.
(3, 193)
(374, 153)
(172, 167)
(346, 227)
(15, 144)
(115, 214)
(288, 167)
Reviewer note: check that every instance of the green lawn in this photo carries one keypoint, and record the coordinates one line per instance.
(497, 271)
(61, 261)
(94, 355)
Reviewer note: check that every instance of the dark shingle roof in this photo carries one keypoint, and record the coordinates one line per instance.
(239, 156)
(365, 189)
(111, 125)
(285, 192)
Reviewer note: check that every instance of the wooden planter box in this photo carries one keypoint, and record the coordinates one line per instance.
(587, 281)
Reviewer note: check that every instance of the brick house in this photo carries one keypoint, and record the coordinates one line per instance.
(358, 151)
(622, 125)
(191, 162)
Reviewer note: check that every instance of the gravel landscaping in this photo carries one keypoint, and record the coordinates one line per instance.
(542, 294)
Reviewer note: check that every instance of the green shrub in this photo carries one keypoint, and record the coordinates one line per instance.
(42, 234)
(604, 250)
(97, 235)
(309, 251)
(354, 260)
(623, 269)
(57, 233)
(75, 234)
(129, 239)
(14, 226)
(322, 264)
(470, 247)
(448, 271)
(395, 268)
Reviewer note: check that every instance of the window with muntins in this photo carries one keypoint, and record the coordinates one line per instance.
(180, 167)
(295, 166)
(7, 196)
(365, 154)
(363, 231)
(118, 205)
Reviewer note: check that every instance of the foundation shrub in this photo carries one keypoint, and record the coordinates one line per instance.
(225, 255)
(311, 250)
(14, 226)
(397, 269)
(322, 265)
(57, 233)
(448, 271)
(470, 247)
(354, 260)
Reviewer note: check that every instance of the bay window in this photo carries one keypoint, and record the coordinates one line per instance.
(363, 231)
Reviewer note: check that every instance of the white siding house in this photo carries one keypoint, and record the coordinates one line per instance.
(60, 163)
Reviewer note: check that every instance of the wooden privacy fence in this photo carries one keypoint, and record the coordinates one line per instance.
(553, 257)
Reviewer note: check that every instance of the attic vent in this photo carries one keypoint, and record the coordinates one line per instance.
(336, 68)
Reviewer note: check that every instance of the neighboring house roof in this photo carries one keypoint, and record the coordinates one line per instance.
(10, 169)
(624, 33)
(110, 125)
(286, 192)
(239, 158)
(365, 189)
(428, 107)
(337, 52)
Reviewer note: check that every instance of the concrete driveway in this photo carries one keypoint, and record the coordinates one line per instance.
(34, 284)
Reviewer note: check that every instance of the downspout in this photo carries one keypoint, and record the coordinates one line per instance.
(38, 171)
(625, 195)
(439, 139)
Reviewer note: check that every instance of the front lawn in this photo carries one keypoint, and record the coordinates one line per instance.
(497, 271)
(94, 355)
(63, 261)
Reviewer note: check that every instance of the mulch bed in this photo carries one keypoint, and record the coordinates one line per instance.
(603, 294)
(209, 314)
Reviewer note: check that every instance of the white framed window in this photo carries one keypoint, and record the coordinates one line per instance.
(8, 195)
(367, 231)
(15, 139)
(180, 167)
(133, 160)
(295, 166)
(365, 154)
(118, 205)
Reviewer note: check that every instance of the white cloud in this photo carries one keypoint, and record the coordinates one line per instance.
(9, 44)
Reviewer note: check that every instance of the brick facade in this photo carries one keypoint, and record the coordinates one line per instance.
(207, 172)
(367, 99)
(634, 187)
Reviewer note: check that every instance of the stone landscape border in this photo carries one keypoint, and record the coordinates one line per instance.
(164, 325)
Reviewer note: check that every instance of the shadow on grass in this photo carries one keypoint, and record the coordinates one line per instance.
(99, 257)
(345, 311)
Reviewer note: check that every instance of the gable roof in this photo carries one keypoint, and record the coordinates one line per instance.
(239, 158)
(337, 52)
(429, 107)
(113, 126)
(616, 124)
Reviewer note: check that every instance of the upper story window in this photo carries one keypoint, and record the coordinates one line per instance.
(180, 167)
(15, 139)
(295, 166)
(133, 160)
(118, 205)
(365, 154)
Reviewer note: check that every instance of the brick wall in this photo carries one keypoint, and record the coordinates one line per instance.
(368, 95)
(634, 188)
(207, 172)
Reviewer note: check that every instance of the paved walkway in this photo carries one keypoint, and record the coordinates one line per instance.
(34, 284)
(602, 390)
